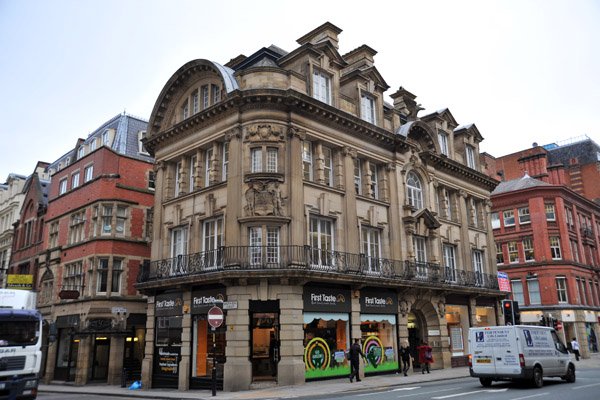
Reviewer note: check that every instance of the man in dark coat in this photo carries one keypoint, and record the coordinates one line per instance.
(405, 356)
(355, 351)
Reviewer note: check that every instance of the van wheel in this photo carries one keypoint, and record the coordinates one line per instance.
(486, 382)
(538, 377)
(570, 376)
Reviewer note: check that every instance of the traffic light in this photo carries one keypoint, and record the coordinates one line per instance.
(516, 313)
(507, 307)
(543, 321)
(555, 323)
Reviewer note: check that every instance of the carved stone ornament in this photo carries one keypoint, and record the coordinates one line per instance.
(295, 132)
(264, 198)
(348, 151)
(390, 167)
(235, 132)
(263, 132)
(441, 309)
(404, 307)
(159, 165)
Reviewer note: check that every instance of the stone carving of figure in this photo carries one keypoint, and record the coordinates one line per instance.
(250, 199)
(276, 198)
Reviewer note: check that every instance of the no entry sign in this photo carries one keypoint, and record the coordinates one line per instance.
(215, 317)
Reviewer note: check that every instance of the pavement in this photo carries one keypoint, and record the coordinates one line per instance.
(269, 390)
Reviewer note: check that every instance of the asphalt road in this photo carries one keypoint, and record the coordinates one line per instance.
(586, 387)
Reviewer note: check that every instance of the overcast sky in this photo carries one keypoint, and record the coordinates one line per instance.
(522, 71)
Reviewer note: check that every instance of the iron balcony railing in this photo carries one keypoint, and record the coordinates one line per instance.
(306, 258)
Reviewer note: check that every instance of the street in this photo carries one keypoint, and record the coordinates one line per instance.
(586, 387)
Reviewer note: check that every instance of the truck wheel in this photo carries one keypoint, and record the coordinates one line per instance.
(538, 377)
(570, 376)
(486, 382)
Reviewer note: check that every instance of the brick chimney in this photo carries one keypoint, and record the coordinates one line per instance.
(535, 165)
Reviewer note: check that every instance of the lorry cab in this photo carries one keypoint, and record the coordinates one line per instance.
(518, 352)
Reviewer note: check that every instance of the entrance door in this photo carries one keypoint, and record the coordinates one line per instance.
(414, 338)
(265, 345)
(66, 356)
(100, 360)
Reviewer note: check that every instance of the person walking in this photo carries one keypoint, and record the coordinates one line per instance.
(575, 347)
(405, 356)
(425, 357)
(354, 352)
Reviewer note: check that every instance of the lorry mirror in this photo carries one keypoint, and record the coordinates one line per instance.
(51, 331)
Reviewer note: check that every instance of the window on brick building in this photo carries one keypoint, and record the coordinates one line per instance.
(102, 275)
(575, 250)
(62, 186)
(81, 152)
(495, 220)
(499, 254)
(555, 248)
(550, 215)
(528, 250)
(75, 180)
(121, 220)
(107, 213)
(89, 173)
(513, 252)
(509, 218)
(77, 225)
(524, 217)
(561, 289)
(73, 277)
(53, 235)
(533, 287)
(517, 291)
(117, 270)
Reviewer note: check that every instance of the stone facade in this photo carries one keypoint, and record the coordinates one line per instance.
(282, 176)
(11, 200)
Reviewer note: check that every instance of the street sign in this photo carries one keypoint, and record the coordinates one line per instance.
(215, 317)
(558, 326)
(119, 310)
(230, 305)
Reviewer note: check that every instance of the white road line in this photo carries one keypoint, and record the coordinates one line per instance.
(533, 395)
(584, 386)
(466, 393)
(408, 388)
(434, 391)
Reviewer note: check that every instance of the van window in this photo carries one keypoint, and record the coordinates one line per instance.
(558, 344)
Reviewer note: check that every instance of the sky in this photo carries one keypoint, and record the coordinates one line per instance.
(523, 71)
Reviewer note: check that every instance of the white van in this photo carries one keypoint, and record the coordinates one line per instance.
(518, 352)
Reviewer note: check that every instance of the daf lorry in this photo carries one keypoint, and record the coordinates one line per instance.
(20, 344)
(518, 352)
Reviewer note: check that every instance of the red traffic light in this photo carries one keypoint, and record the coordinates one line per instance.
(507, 305)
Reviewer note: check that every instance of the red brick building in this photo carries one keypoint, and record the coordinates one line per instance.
(96, 236)
(28, 240)
(547, 239)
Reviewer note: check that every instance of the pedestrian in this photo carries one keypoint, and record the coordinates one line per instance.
(354, 352)
(425, 357)
(575, 347)
(405, 356)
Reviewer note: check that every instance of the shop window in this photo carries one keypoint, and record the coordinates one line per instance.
(202, 350)
(457, 319)
(517, 291)
(326, 339)
(378, 333)
(168, 330)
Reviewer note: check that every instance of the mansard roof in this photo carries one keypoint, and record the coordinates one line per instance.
(518, 184)
(469, 129)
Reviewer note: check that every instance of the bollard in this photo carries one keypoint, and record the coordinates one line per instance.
(124, 378)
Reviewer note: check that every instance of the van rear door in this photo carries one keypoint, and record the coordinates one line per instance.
(506, 351)
(482, 352)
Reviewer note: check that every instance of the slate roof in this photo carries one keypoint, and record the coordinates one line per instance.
(518, 184)
(585, 151)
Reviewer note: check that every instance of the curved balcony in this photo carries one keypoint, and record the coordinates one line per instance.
(310, 259)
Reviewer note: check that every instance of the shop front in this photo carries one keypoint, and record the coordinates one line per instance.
(206, 342)
(591, 328)
(378, 310)
(67, 348)
(326, 331)
(168, 311)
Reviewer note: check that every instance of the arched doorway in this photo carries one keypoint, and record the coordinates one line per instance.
(416, 327)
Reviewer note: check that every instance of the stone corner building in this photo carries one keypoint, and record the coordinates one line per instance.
(288, 187)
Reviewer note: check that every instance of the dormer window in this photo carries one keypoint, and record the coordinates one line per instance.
(367, 111)
(443, 141)
(92, 145)
(81, 152)
(216, 94)
(186, 110)
(105, 138)
(321, 87)
(142, 149)
(470, 154)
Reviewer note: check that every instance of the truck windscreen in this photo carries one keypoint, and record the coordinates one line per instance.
(19, 333)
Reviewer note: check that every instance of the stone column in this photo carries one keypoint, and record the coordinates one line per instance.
(234, 186)
(186, 343)
(238, 368)
(464, 229)
(84, 359)
(296, 186)
(115, 363)
(147, 363)
(394, 214)
(291, 369)
(352, 239)
(51, 362)
(160, 172)
(355, 332)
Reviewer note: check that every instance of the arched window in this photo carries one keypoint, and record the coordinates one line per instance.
(414, 190)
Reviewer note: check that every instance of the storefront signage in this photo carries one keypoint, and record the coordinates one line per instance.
(203, 300)
(433, 332)
(503, 282)
(168, 304)
(324, 299)
(19, 281)
(230, 305)
(378, 302)
(167, 360)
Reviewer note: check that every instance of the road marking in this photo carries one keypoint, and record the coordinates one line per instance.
(408, 388)
(533, 395)
(434, 391)
(466, 393)
(584, 386)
